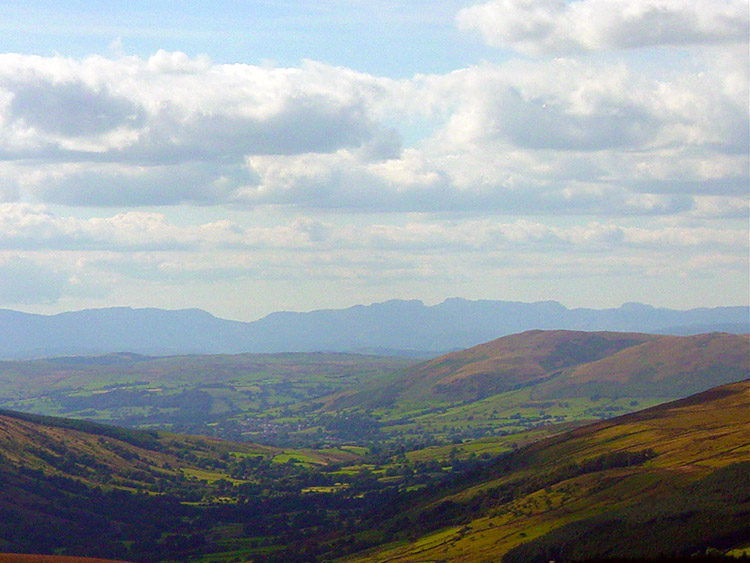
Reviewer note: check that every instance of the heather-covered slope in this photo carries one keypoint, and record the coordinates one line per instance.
(668, 480)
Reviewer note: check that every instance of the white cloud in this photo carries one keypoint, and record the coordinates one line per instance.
(170, 107)
(108, 184)
(558, 26)
(33, 227)
(170, 128)
(145, 257)
(569, 105)
(561, 136)
(613, 158)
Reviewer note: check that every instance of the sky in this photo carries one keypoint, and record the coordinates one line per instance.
(245, 157)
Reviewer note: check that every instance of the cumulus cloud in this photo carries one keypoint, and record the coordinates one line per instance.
(555, 136)
(130, 131)
(71, 109)
(557, 26)
(170, 106)
(569, 105)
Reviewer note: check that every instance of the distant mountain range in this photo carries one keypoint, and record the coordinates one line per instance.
(394, 327)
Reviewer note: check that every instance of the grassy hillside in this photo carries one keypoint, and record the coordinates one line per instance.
(509, 385)
(677, 473)
(85, 489)
(98, 454)
(568, 363)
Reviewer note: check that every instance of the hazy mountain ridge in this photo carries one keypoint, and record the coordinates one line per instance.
(393, 325)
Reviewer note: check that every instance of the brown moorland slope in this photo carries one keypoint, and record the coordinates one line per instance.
(668, 366)
(502, 364)
(564, 363)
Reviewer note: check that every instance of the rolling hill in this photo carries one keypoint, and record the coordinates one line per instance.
(565, 364)
(524, 381)
(514, 383)
(667, 366)
(189, 393)
(506, 363)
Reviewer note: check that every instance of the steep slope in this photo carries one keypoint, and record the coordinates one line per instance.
(673, 479)
(64, 487)
(97, 454)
